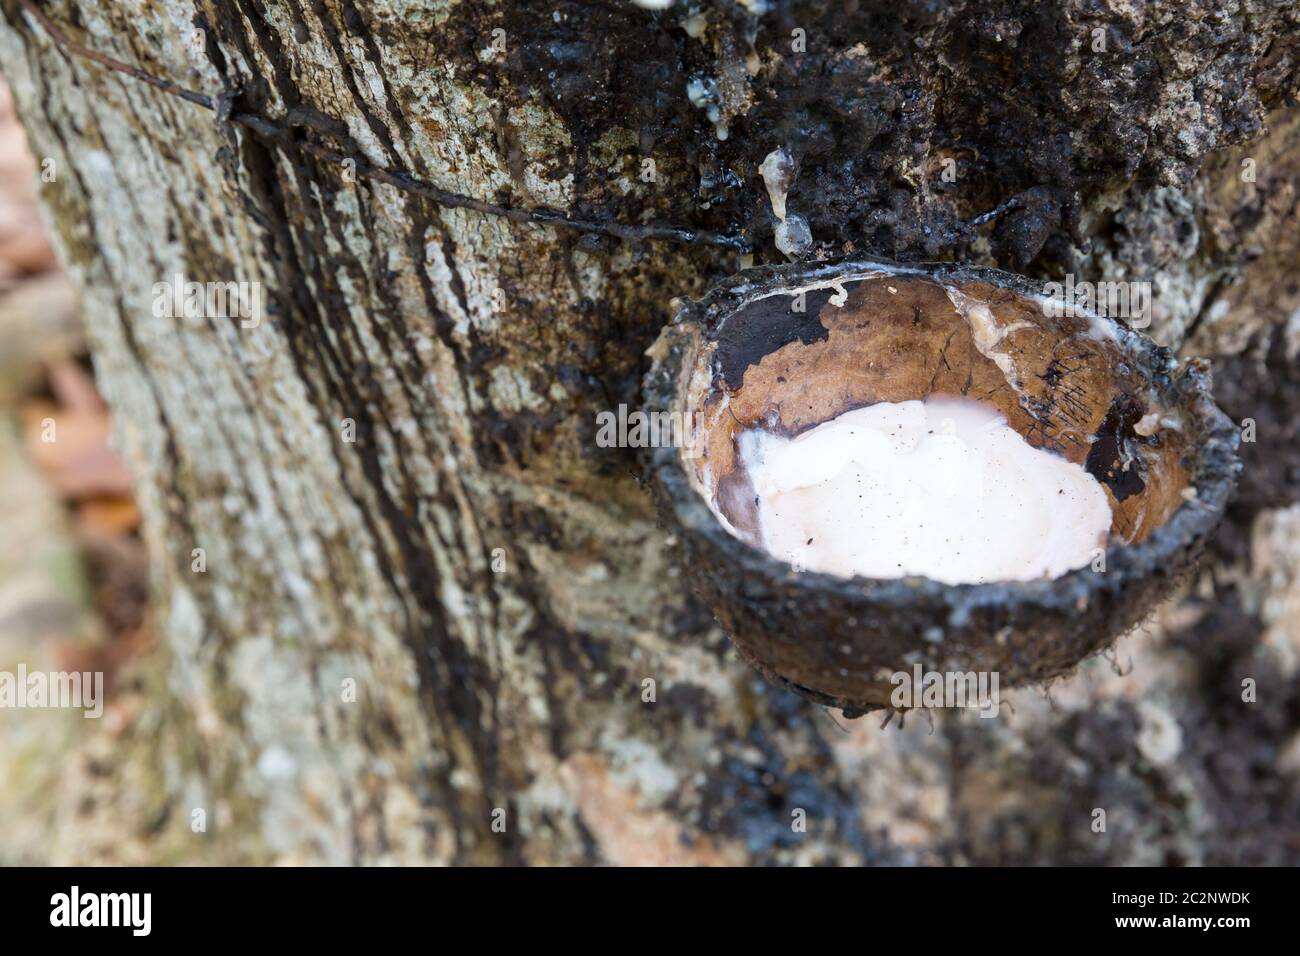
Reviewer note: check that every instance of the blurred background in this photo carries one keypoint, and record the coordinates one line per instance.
(73, 572)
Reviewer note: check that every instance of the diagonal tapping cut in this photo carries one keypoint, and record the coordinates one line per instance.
(397, 178)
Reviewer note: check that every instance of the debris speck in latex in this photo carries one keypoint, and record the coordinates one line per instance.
(942, 488)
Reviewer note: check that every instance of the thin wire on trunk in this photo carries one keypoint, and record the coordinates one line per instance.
(397, 178)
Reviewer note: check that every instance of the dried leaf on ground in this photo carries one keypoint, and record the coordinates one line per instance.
(71, 448)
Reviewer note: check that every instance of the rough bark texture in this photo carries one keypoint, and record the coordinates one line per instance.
(472, 354)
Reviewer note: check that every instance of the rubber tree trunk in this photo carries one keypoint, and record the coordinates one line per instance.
(413, 613)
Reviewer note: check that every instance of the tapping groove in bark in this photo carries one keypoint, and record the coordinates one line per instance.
(472, 343)
(224, 107)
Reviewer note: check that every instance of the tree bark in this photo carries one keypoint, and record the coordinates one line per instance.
(393, 478)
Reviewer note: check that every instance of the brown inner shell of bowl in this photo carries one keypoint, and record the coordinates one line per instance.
(1066, 384)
